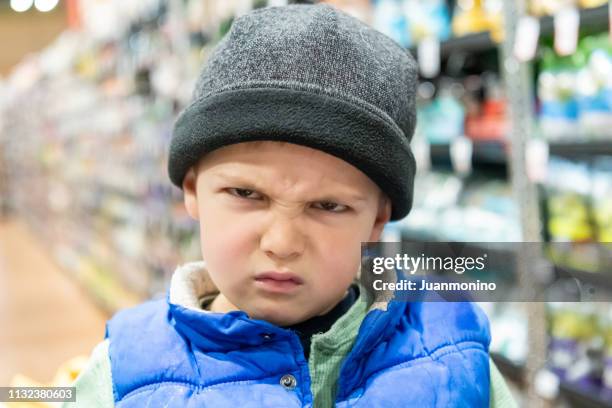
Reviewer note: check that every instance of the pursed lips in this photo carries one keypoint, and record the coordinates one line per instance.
(279, 277)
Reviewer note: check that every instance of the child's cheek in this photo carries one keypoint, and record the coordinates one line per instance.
(226, 245)
(341, 261)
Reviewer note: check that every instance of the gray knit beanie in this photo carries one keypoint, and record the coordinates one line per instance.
(310, 75)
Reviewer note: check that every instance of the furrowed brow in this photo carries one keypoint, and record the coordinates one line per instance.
(235, 178)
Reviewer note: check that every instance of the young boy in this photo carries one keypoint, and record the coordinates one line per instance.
(294, 150)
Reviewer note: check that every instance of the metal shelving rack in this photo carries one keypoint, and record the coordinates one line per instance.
(511, 157)
(517, 79)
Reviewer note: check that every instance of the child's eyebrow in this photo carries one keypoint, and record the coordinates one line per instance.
(233, 178)
(250, 184)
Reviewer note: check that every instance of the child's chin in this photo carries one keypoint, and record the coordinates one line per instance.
(279, 319)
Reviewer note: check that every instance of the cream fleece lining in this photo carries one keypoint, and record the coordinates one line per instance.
(191, 285)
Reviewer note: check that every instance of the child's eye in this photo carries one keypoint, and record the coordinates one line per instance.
(244, 193)
(331, 207)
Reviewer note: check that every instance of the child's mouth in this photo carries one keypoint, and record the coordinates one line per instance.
(278, 282)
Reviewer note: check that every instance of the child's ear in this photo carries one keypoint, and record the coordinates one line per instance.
(382, 217)
(190, 194)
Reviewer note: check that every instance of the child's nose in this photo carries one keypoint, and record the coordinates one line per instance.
(282, 238)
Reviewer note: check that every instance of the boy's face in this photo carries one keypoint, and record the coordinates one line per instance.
(271, 206)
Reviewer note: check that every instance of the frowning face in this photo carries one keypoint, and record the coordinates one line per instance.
(281, 227)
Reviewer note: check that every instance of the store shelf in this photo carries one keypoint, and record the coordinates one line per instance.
(467, 44)
(485, 153)
(494, 153)
(579, 149)
(576, 396)
(510, 370)
(472, 43)
(592, 20)
(580, 398)
(600, 280)
(494, 249)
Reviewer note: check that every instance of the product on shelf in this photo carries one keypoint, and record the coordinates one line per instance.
(606, 378)
(427, 18)
(568, 213)
(410, 21)
(579, 200)
(458, 109)
(551, 7)
(569, 220)
(439, 192)
(578, 346)
(474, 16)
(390, 20)
(556, 89)
(489, 122)
(592, 3)
(441, 119)
(508, 330)
(594, 87)
(602, 198)
(448, 208)
(575, 92)
(548, 7)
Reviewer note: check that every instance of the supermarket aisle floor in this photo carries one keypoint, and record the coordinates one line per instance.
(45, 318)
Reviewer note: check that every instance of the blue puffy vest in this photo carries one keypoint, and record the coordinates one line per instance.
(410, 355)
